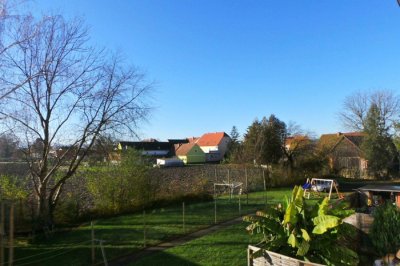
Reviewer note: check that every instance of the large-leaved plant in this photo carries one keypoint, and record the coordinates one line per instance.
(308, 232)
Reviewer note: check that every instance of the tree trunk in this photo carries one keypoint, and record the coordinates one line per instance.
(43, 215)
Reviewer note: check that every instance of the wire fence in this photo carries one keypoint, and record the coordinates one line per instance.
(110, 238)
(107, 239)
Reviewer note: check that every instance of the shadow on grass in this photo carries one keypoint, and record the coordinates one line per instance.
(164, 259)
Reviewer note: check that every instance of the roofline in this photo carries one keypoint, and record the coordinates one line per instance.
(384, 188)
(344, 137)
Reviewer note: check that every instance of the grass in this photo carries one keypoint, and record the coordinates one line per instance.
(125, 234)
(225, 247)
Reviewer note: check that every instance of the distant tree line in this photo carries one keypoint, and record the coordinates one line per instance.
(272, 143)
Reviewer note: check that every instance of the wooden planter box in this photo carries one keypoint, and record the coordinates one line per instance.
(274, 259)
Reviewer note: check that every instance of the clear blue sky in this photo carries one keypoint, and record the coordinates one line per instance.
(224, 63)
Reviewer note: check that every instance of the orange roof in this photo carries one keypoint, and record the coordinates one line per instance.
(295, 139)
(192, 139)
(183, 149)
(211, 139)
(330, 140)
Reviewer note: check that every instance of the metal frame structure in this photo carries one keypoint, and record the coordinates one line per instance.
(231, 186)
(314, 187)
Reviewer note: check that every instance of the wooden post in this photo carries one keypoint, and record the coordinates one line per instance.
(247, 187)
(265, 187)
(144, 228)
(215, 206)
(2, 233)
(266, 184)
(240, 207)
(93, 243)
(183, 216)
(11, 236)
(230, 187)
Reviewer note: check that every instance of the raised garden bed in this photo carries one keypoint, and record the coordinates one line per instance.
(273, 259)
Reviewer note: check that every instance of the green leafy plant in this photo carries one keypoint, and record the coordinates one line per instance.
(385, 231)
(121, 187)
(12, 188)
(310, 233)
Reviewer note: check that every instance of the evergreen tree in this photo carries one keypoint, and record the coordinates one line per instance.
(378, 146)
(397, 136)
(264, 141)
(234, 154)
(251, 143)
(273, 140)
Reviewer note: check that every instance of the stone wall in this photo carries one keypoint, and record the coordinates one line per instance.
(201, 178)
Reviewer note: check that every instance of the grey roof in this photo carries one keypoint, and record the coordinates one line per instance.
(381, 188)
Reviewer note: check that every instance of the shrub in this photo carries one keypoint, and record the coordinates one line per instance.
(122, 187)
(385, 231)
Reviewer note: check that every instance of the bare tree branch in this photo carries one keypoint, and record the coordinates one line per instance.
(356, 106)
(72, 94)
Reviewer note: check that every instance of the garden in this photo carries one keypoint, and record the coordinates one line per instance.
(125, 234)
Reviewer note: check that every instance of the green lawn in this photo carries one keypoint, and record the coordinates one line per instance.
(225, 247)
(125, 234)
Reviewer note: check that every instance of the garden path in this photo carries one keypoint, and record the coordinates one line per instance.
(128, 259)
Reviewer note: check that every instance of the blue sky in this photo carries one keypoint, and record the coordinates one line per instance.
(222, 63)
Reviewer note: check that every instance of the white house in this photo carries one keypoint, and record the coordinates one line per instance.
(214, 145)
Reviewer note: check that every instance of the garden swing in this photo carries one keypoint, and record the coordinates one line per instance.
(317, 185)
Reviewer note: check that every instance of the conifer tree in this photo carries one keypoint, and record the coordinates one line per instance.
(378, 145)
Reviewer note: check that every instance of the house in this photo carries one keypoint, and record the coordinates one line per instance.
(344, 153)
(214, 145)
(190, 153)
(149, 148)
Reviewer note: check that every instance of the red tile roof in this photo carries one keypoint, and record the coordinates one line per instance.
(211, 139)
(183, 149)
(192, 139)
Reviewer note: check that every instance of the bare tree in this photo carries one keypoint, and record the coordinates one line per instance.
(298, 144)
(356, 106)
(71, 93)
(11, 21)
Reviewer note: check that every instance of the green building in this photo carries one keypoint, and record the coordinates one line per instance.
(190, 153)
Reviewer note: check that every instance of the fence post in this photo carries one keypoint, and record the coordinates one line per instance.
(11, 236)
(215, 206)
(247, 187)
(230, 188)
(144, 228)
(2, 233)
(240, 207)
(265, 187)
(93, 243)
(183, 216)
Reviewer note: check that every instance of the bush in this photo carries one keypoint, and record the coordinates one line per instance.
(122, 187)
(385, 231)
